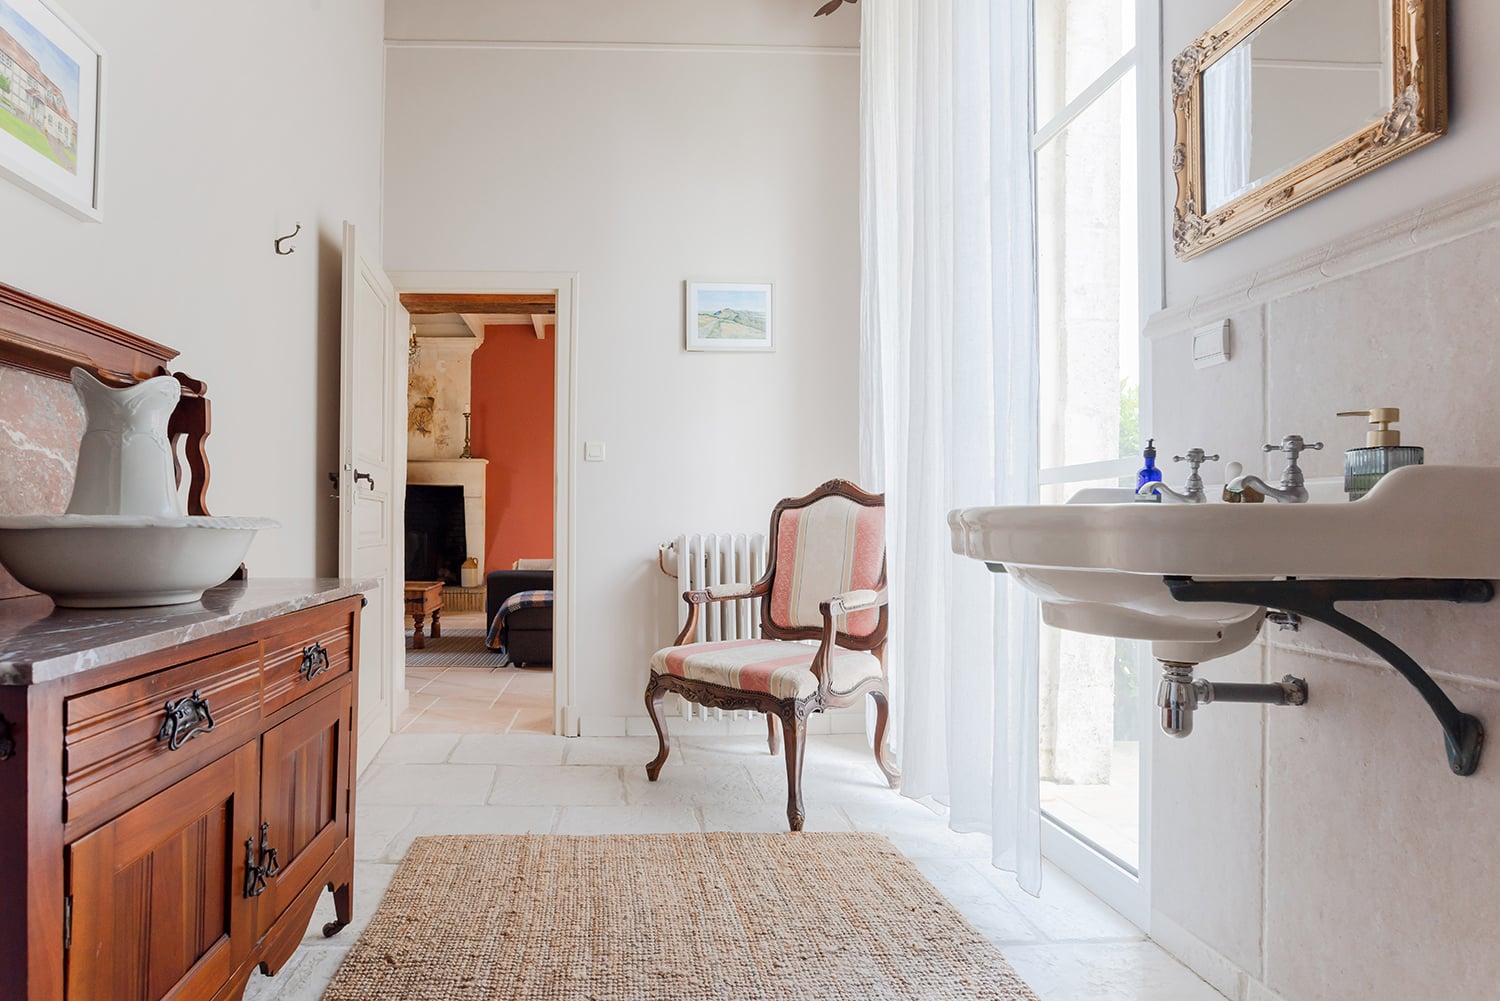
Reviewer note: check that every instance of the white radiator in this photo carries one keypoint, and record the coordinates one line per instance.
(703, 560)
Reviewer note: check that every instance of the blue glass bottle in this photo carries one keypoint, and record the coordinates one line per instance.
(1149, 473)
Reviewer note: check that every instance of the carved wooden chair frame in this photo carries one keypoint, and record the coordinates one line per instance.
(792, 713)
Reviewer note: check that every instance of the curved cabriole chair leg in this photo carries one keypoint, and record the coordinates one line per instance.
(794, 731)
(654, 695)
(773, 735)
(882, 717)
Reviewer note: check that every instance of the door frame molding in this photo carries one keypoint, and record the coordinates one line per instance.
(565, 429)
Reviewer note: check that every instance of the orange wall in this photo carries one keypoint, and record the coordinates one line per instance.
(513, 421)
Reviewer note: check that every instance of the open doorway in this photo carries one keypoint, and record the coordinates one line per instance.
(486, 423)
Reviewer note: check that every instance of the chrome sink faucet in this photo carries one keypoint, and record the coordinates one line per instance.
(1292, 490)
(1192, 490)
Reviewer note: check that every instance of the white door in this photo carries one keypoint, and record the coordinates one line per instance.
(372, 497)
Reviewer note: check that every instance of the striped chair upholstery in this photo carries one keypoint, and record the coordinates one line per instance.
(826, 548)
(828, 544)
(781, 669)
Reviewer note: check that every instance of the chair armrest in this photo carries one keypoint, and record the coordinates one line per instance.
(726, 592)
(719, 592)
(854, 601)
(840, 604)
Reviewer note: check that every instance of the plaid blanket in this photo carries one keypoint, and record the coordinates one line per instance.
(496, 638)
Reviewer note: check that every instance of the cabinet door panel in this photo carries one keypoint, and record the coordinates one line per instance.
(158, 894)
(304, 796)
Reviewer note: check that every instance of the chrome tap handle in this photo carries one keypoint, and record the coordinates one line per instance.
(1192, 490)
(1293, 445)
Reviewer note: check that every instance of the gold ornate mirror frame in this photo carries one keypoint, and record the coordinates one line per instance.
(1418, 115)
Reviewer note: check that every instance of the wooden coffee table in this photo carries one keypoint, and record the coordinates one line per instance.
(424, 598)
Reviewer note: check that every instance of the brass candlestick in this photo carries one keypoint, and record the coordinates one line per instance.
(466, 454)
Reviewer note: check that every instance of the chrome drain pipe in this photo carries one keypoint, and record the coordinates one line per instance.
(1181, 694)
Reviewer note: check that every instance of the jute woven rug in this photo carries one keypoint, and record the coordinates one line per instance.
(668, 917)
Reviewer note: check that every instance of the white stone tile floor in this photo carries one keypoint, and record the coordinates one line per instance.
(448, 699)
(1067, 944)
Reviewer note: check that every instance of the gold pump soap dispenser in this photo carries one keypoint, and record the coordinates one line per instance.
(1383, 451)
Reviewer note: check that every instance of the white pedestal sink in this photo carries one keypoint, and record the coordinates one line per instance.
(1104, 568)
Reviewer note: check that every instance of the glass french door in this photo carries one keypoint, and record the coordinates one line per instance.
(1094, 138)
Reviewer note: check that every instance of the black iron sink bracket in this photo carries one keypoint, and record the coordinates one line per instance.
(1463, 735)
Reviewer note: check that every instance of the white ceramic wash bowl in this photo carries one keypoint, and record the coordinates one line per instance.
(1098, 568)
(124, 561)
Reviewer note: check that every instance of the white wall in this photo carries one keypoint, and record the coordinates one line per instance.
(1464, 158)
(1327, 852)
(786, 23)
(685, 141)
(224, 122)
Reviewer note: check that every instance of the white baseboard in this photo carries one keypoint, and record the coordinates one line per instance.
(1260, 992)
(841, 722)
(850, 720)
(1221, 974)
(601, 726)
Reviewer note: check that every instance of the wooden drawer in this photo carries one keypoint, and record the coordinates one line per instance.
(310, 653)
(117, 750)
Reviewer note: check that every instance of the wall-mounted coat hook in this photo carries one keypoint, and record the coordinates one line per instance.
(282, 239)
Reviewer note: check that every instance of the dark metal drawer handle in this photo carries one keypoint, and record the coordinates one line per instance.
(257, 872)
(314, 661)
(186, 718)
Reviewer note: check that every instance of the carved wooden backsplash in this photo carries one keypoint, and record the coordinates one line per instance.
(41, 420)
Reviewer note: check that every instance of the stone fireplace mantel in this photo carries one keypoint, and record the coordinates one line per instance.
(466, 473)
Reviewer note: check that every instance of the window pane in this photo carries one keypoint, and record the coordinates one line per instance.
(1076, 41)
(1060, 493)
(1091, 737)
(1088, 293)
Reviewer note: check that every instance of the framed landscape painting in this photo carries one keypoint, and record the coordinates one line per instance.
(51, 85)
(728, 316)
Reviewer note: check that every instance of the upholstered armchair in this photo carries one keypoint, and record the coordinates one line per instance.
(824, 581)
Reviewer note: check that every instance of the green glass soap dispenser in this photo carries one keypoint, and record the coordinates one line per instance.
(1383, 451)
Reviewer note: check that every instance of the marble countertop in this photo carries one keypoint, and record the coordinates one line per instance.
(40, 643)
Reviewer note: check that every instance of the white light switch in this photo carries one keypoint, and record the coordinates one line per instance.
(593, 451)
(1211, 345)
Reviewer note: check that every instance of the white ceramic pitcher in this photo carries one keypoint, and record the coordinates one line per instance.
(125, 461)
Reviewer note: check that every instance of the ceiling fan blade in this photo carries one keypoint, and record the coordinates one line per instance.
(829, 7)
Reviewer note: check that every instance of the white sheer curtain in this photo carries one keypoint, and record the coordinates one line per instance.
(949, 395)
(1227, 122)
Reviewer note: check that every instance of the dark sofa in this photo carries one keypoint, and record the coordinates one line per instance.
(530, 629)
